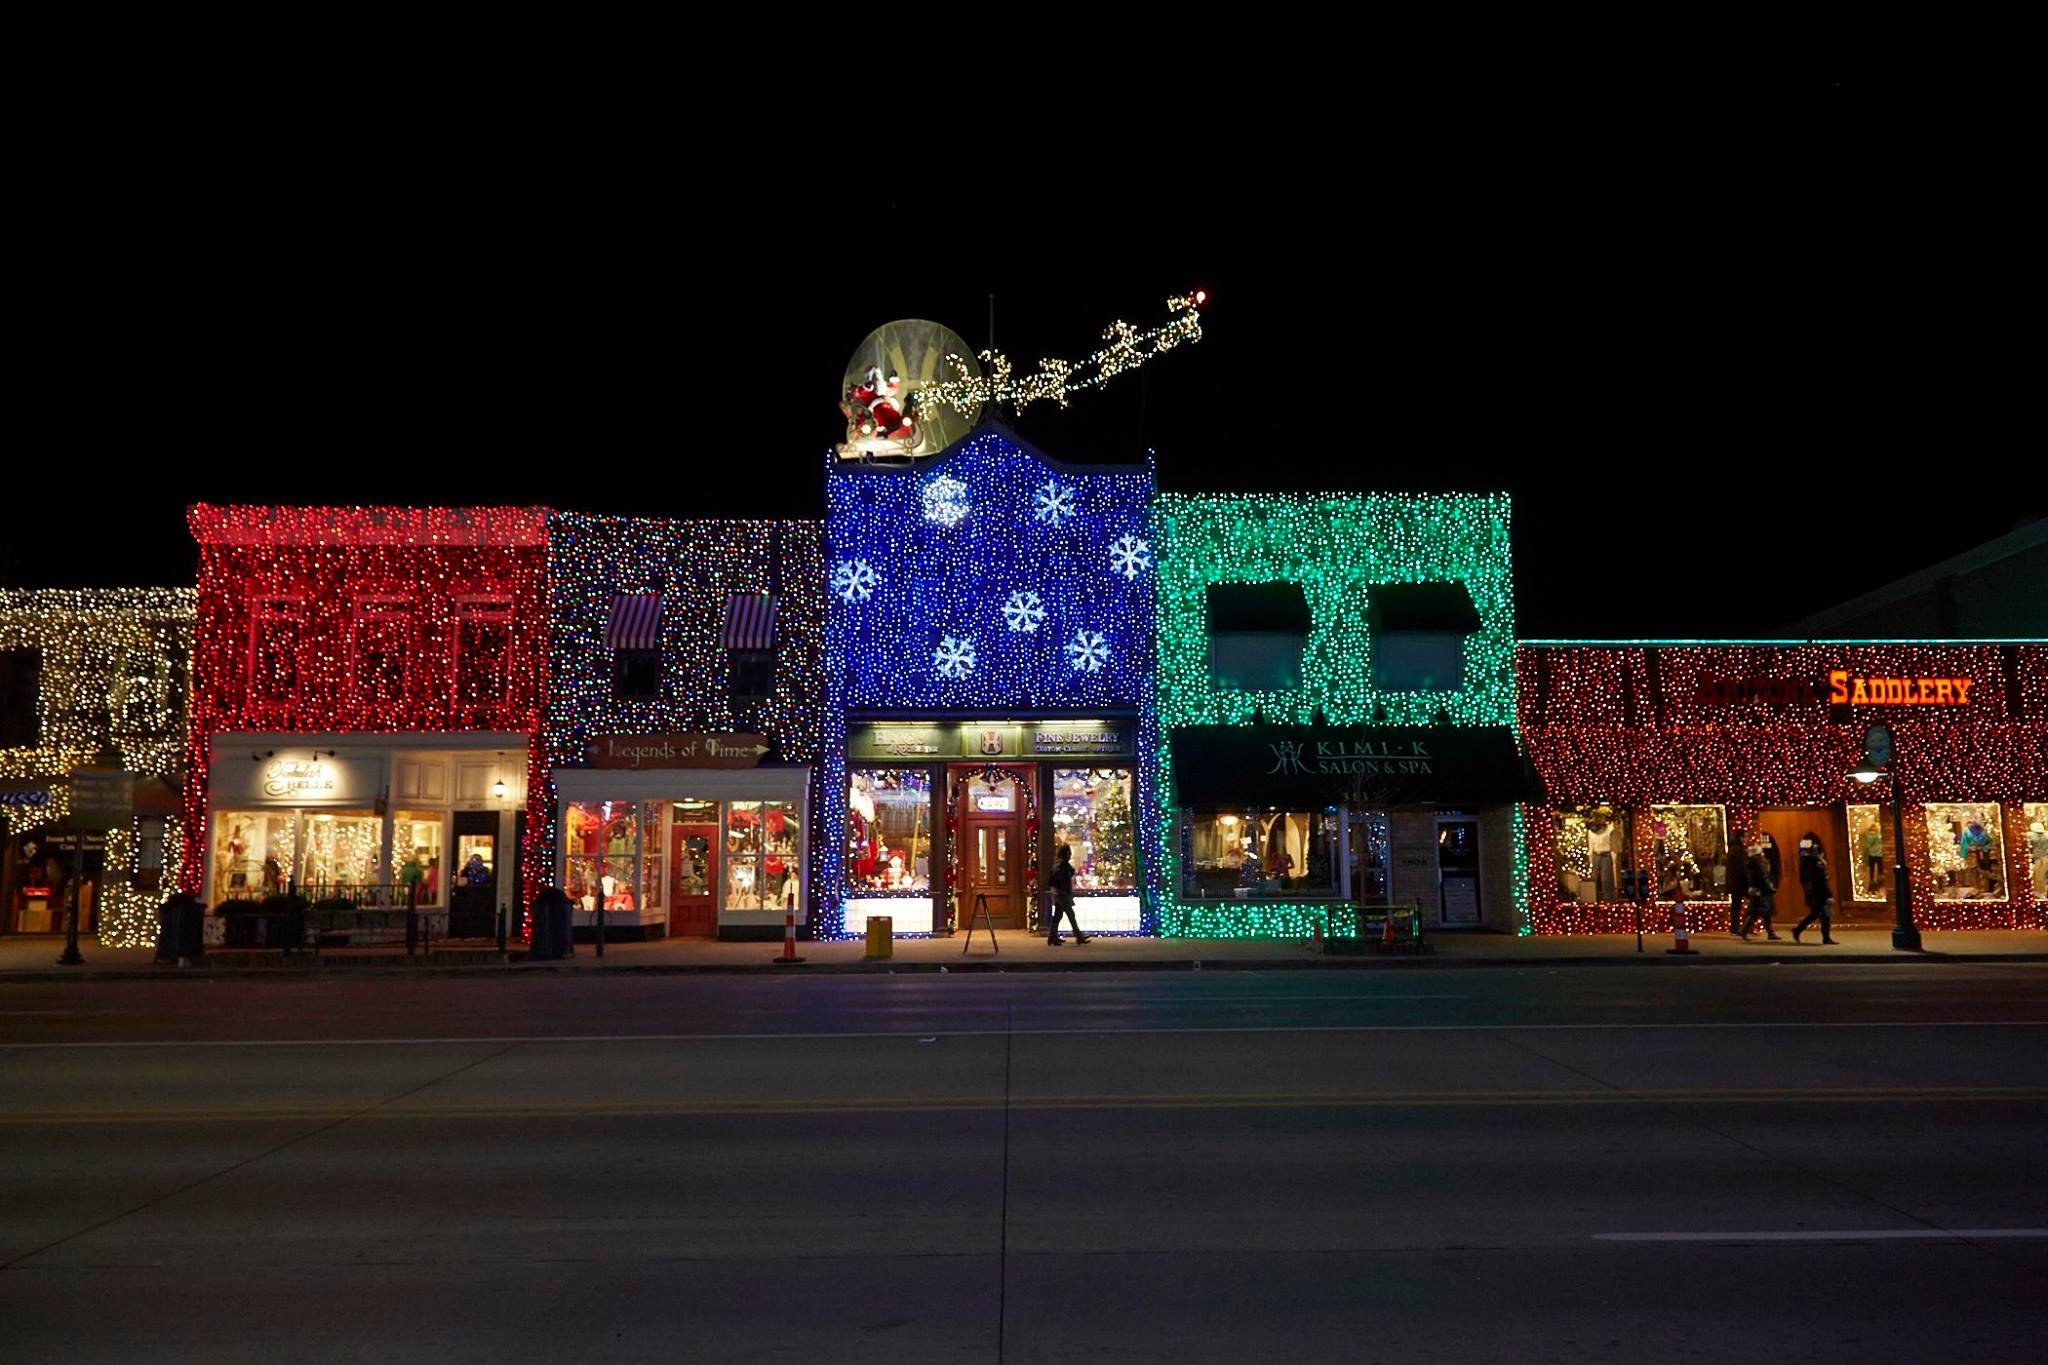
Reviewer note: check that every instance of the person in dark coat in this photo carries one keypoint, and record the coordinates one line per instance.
(1738, 884)
(1763, 891)
(1062, 883)
(1815, 885)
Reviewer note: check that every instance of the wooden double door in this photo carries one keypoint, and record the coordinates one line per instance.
(1787, 826)
(991, 856)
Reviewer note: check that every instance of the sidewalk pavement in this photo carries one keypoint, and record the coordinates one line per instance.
(35, 956)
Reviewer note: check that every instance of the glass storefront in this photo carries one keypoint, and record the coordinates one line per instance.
(889, 830)
(721, 855)
(1250, 853)
(343, 852)
(416, 855)
(1871, 858)
(254, 853)
(1966, 850)
(1091, 814)
(761, 855)
(1593, 850)
(1691, 852)
(2036, 815)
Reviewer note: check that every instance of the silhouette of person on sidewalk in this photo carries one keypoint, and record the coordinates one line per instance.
(1062, 883)
(1814, 884)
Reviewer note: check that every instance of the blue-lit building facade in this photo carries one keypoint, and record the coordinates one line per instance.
(988, 687)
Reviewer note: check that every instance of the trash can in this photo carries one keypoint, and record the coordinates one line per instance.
(181, 928)
(550, 925)
(881, 940)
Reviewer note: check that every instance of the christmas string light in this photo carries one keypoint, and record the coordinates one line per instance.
(1338, 548)
(695, 566)
(1017, 584)
(1750, 727)
(1057, 381)
(110, 687)
(372, 621)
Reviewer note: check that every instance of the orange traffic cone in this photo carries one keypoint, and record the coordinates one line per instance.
(1387, 930)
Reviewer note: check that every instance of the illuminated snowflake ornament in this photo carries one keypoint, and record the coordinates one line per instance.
(1087, 651)
(1129, 556)
(954, 658)
(945, 500)
(1025, 611)
(854, 580)
(1053, 504)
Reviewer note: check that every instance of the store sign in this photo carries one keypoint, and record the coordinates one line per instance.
(101, 799)
(20, 796)
(1759, 692)
(677, 751)
(1362, 758)
(989, 740)
(300, 779)
(1847, 689)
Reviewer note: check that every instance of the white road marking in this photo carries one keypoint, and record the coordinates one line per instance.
(503, 1040)
(1870, 1235)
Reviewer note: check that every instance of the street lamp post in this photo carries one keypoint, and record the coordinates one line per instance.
(1878, 762)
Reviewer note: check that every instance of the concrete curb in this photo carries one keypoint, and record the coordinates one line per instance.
(986, 966)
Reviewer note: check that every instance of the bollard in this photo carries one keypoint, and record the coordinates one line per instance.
(1681, 945)
(1317, 945)
(788, 936)
(600, 926)
(1387, 929)
(501, 930)
(412, 918)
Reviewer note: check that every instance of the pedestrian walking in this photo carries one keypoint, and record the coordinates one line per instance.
(1062, 883)
(1815, 886)
(1738, 883)
(1763, 891)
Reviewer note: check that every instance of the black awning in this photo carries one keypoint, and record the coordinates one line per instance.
(1304, 766)
(1427, 608)
(1258, 608)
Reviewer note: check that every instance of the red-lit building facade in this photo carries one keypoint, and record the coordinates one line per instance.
(1664, 757)
(367, 696)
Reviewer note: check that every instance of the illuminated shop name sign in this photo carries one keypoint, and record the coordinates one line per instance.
(1845, 689)
(298, 777)
(1363, 757)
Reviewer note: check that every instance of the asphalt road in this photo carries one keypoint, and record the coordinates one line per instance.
(1602, 1164)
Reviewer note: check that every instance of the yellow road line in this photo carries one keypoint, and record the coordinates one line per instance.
(944, 1104)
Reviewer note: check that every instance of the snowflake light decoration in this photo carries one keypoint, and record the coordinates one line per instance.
(1053, 504)
(1025, 611)
(945, 500)
(854, 580)
(1088, 651)
(1129, 556)
(954, 658)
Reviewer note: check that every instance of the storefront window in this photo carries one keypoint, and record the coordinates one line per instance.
(1260, 853)
(1371, 850)
(343, 852)
(889, 830)
(416, 856)
(476, 859)
(252, 853)
(761, 855)
(1691, 851)
(1091, 814)
(697, 841)
(1593, 851)
(601, 844)
(651, 831)
(1870, 854)
(1966, 851)
(2036, 813)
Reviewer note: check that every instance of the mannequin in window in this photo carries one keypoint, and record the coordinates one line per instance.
(1871, 843)
(1600, 852)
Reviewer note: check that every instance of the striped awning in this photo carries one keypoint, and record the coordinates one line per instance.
(750, 621)
(635, 622)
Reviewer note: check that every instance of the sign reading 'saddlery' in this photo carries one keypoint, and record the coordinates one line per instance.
(677, 751)
(1846, 689)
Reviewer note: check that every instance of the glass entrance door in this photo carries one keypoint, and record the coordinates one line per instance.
(1457, 864)
(991, 853)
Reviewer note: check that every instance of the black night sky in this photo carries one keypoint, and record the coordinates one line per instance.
(1698, 332)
